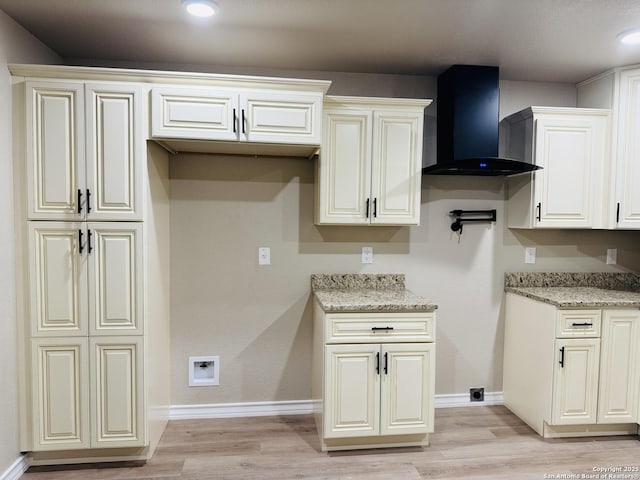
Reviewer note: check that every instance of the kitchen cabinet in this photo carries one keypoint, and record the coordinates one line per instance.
(85, 151)
(375, 374)
(572, 147)
(572, 372)
(369, 168)
(619, 90)
(237, 115)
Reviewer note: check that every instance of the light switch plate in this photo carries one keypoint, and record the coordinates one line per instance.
(530, 255)
(612, 256)
(264, 256)
(367, 254)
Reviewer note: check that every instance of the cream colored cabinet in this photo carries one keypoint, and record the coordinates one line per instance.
(375, 376)
(232, 114)
(571, 145)
(572, 372)
(619, 90)
(85, 151)
(369, 169)
(85, 278)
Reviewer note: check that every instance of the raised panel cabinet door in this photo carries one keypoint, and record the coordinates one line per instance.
(115, 278)
(407, 388)
(575, 384)
(60, 392)
(55, 150)
(396, 168)
(626, 208)
(344, 168)
(115, 152)
(117, 397)
(571, 150)
(58, 279)
(352, 391)
(281, 117)
(195, 113)
(619, 372)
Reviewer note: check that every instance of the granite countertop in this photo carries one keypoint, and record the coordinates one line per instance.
(577, 290)
(367, 293)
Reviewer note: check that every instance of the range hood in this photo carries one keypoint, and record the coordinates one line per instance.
(467, 125)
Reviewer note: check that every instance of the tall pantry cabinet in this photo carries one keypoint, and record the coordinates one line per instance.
(91, 225)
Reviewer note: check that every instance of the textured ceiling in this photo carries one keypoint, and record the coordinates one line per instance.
(537, 40)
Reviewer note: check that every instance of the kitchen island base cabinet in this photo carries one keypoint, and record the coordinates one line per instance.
(570, 373)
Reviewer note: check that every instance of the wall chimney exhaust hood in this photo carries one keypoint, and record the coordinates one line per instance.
(467, 125)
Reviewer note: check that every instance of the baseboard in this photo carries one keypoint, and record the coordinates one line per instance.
(301, 407)
(17, 468)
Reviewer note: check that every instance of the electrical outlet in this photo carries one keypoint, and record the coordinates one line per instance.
(530, 255)
(264, 256)
(612, 256)
(204, 371)
(367, 254)
(476, 394)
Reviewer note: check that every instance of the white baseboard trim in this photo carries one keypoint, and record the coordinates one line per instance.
(17, 468)
(301, 407)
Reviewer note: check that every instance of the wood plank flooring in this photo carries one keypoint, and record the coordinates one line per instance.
(469, 443)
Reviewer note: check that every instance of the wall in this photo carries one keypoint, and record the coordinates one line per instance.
(258, 318)
(16, 46)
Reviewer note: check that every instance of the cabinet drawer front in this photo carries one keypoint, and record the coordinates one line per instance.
(578, 323)
(380, 327)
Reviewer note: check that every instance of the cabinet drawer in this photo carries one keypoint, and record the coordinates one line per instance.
(578, 323)
(380, 327)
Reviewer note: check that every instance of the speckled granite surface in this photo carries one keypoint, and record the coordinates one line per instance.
(367, 293)
(577, 290)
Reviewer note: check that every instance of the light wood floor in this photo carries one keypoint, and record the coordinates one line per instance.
(475, 442)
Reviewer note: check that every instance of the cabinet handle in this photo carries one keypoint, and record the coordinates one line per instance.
(617, 212)
(375, 207)
(79, 201)
(235, 119)
(374, 329)
(386, 362)
(243, 121)
(89, 247)
(585, 324)
(562, 357)
(539, 212)
(378, 363)
(366, 215)
(88, 201)
(80, 247)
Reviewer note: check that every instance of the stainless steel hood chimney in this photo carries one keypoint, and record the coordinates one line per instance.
(467, 125)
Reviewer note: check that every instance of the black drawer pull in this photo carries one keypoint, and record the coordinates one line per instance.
(562, 357)
(375, 329)
(378, 363)
(386, 362)
(584, 324)
(79, 201)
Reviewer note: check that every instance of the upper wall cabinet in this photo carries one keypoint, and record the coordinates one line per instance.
(619, 90)
(369, 170)
(85, 153)
(181, 116)
(571, 145)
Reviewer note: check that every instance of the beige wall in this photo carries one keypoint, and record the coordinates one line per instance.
(16, 46)
(258, 318)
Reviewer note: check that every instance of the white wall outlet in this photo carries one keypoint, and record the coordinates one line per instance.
(204, 371)
(264, 256)
(367, 254)
(530, 255)
(612, 256)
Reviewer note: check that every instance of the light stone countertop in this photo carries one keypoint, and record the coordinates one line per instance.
(579, 297)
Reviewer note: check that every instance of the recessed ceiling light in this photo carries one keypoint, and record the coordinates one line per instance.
(630, 37)
(200, 8)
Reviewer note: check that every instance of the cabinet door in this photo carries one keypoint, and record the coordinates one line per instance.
(575, 390)
(571, 151)
(619, 372)
(344, 168)
(60, 394)
(396, 168)
(627, 157)
(115, 278)
(281, 117)
(195, 113)
(352, 391)
(116, 392)
(115, 152)
(407, 388)
(55, 150)
(57, 279)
